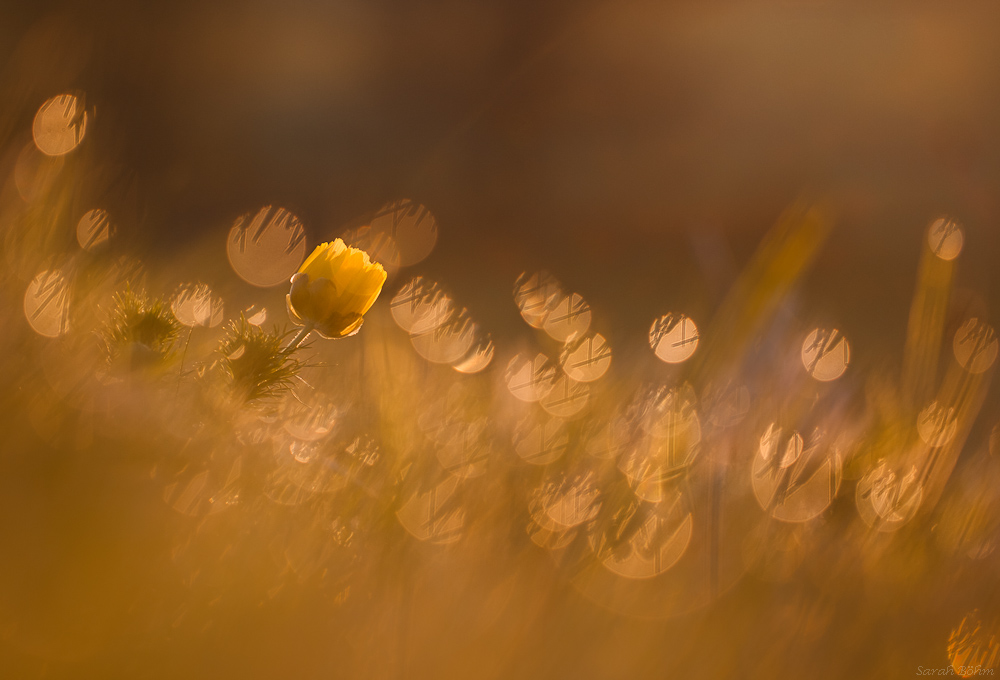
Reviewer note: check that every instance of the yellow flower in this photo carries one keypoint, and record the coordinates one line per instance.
(333, 289)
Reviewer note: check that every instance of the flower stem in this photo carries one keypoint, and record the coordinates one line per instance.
(297, 340)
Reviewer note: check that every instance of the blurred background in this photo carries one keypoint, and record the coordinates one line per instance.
(636, 154)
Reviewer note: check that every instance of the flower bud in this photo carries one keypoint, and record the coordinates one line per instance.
(334, 288)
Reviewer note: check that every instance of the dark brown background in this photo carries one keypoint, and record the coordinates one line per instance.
(638, 150)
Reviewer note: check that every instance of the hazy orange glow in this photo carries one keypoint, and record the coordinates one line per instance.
(266, 248)
(499, 340)
(60, 125)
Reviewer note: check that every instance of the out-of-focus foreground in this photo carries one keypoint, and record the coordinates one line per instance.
(682, 368)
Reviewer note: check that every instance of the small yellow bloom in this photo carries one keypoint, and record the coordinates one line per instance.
(334, 288)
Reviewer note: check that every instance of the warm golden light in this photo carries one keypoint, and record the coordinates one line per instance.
(659, 543)
(887, 499)
(567, 398)
(429, 515)
(973, 647)
(586, 358)
(478, 358)
(411, 226)
(937, 425)
(265, 249)
(420, 306)
(792, 481)
(60, 124)
(673, 338)
(195, 305)
(94, 229)
(530, 378)
(540, 439)
(35, 174)
(47, 303)
(499, 340)
(945, 238)
(825, 354)
(535, 296)
(568, 318)
(447, 342)
(975, 346)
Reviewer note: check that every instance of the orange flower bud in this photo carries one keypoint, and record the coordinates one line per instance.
(334, 288)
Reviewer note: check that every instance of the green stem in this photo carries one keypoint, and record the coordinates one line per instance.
(297, 340)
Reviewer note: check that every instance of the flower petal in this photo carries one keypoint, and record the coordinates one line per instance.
(337, 327)
(299, 297)
(322, 263)
(296, 319)
(324, 299)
